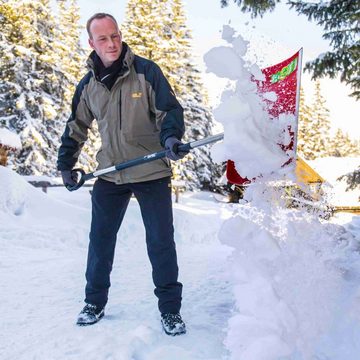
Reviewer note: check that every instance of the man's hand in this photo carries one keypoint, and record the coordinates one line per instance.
(171, 147)
(68, 178)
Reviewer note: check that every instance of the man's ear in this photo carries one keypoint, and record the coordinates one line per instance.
(91, 43)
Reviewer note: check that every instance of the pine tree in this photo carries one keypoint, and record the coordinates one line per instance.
(304, 124)
(73, 64)
(40, 62)
(157, 30)
(199, 120)
(148, 30)
(256, 8)
(71, 54)
(314, 126)
(320, 123)
(32, 92)
(340, 20)
(352, 179)
(342, 145)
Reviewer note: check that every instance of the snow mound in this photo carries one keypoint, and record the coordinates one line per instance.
(295, 279)
(10, 139)
(24, 207)
(295, 286)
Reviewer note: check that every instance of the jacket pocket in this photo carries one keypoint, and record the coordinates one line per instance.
(150, 141)
(150, 146)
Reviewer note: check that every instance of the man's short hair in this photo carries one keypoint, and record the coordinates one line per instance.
(98, 16)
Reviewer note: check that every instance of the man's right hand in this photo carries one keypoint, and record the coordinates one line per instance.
(69, 179)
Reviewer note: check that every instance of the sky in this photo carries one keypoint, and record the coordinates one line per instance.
(272, 39)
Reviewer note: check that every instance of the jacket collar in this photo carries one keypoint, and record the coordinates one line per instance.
(94, 61)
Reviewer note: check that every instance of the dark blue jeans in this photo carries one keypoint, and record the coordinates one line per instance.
(109, 204)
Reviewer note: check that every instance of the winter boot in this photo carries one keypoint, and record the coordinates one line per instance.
(89, 315)
(173, 324)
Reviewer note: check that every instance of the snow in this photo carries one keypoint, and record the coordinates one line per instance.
(43, 246)
(331, 169)
(251, 138)
(279, 285)
(297, 286)
(9, 138)
(295, 278)
(261, 281)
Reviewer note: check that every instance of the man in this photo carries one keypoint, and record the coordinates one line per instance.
(137, 114)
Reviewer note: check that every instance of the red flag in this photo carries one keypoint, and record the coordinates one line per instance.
(284, 80)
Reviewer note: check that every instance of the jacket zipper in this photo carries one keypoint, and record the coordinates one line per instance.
(120, 105)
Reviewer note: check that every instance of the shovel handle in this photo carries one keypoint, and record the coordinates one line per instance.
(138, 161)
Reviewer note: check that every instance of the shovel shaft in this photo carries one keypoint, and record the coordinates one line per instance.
(141, 160)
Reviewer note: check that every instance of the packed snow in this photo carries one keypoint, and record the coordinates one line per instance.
(9, 139)
(261, 281)
(258, 284)
(43, 247)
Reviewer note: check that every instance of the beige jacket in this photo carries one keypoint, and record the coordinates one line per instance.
(134, 119)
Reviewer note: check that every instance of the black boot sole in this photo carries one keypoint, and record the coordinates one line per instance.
(182, 332)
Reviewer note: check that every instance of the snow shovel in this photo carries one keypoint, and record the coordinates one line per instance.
(140, 160)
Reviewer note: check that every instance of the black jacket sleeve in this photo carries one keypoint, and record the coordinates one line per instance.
(76, 129)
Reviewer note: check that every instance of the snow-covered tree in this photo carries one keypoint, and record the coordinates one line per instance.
(303, 139)
(40, 63)
(33, 87)
(72, 55)
(314, 126)
(157, 30)
(342, 145)
(73, 65)
(340, 20)
(321, 123)
(352, 179)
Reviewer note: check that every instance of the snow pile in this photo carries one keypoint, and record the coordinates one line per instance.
(10, 139)
(23, 207)
(251, 138)
(296, 287)
(296, 280)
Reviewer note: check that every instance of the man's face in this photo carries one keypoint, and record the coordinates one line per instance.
(106, 40)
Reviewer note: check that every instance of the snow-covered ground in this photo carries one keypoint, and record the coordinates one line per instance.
(43, 247)
(261, 281)
(276, 284)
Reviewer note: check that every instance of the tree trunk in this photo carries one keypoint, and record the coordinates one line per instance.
(3, 156)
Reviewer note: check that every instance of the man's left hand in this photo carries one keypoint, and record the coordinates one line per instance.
(171, 147)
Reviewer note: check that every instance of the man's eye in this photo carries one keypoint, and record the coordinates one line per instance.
(102, 39)
(116, 36)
